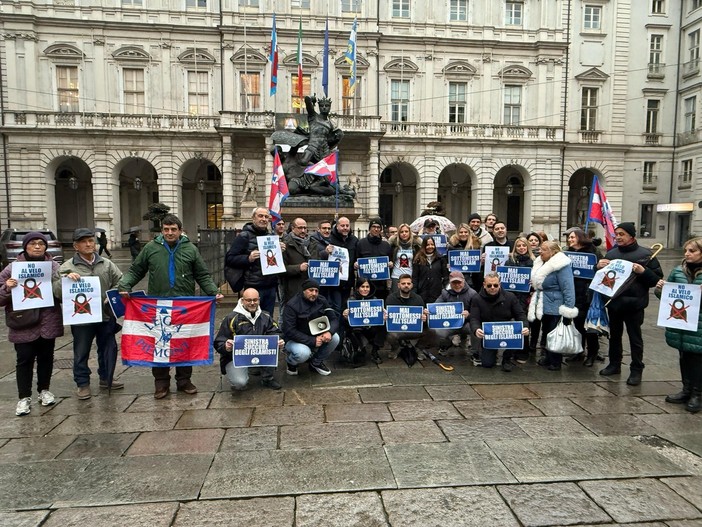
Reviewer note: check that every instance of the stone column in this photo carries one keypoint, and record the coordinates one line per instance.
(104, 195)
(373, 179)
(227, 183)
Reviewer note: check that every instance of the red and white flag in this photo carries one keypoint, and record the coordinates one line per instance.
(279, 189)
(326, 167)
(600, 212)
(175, 331)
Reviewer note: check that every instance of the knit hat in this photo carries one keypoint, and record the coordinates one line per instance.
(34, 235)
(628, 227)
(474, 216)
(456, 276)
(375, 221)
(309, 284)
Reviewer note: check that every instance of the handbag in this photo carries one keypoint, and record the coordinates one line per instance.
(22, 319)
(565, 340)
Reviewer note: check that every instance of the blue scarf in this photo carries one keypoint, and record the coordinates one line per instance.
(171, 261)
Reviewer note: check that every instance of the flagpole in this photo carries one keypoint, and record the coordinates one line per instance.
(589, 206)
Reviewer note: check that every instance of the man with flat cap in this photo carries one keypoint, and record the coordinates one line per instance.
(628, 307)
(86, 262)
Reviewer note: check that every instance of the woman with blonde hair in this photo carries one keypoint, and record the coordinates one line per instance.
(521, 256)
(463, 240)
(405, 245)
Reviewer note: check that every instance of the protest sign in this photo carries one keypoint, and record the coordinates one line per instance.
(115, 300)
(341, 255)
(271, 255)
(33, 285)
(82, 300)
(464, 261)
(374, 268)
(251, 351)
(515, 279)
(403, 262)
(495, 257)
(326, 272)
(366, 313)
(406, 319)
(680, 306)
(583, 264)
(503, 335)
(610, 278)
(445, 315)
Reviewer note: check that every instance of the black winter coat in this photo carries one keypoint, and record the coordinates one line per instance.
(583, 293)
(502, 307)
(635, 297)
(297, 314)
(430, 279)
(238, 258)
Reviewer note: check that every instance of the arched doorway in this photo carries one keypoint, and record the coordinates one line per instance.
(508, 198)
(455, 183)
(398, 194)
(202, 196)
(74, 197)
(579, 188)
(138, 188)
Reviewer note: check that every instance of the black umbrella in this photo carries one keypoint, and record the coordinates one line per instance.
(136, 228)
(409, 355)
(99, 229)
(429, 355)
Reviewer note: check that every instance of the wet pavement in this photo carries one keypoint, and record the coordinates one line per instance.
(373, 446)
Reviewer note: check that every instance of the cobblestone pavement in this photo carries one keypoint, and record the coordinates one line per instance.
(372, 446)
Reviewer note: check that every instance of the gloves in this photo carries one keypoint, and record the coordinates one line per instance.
(567, 321)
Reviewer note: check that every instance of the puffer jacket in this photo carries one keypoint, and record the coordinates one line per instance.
(635, 296)
(688, 341)
(107, 271)
(50, 318)
(238, 258)
(554, 290)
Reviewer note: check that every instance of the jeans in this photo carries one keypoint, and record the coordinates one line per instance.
(239, 377)
(633, 322)
(41, 351)
(298, 353)
(104, 335)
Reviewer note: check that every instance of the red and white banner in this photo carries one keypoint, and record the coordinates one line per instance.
(601, 212)
(279, 189)
(326, 167)
(168, 331)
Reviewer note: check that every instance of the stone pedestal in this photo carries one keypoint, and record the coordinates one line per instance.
(317, 208)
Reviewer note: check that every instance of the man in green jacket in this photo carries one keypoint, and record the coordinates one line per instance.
(174, 265)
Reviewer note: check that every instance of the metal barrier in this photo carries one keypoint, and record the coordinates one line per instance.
(213, 245)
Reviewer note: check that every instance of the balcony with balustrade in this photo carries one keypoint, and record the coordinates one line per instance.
(429, 130)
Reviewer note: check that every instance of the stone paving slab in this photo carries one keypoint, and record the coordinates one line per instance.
(346, 413)
(547, 427)
(464, 506)
(689, 488)
(173, 403)
(247, 399)
(288, 415)
(674, 423)
(101, 403)
(215, 418)
(551, 504)
(569, 389)
(454, 392)
(393, 393)
(419, 410)
(37, 485)
(445, 464)
(558, 406)
(356, 509)
(428, 375)
(113, 423)
(137, 479)
(497, 408)
(564, 459)
(146, 515)
(659, 401)
(98, 445)
(503, 391)
(243, 439)
(280, 472)
(256, 512)
(645, 388)
(330, 396)
(411, 432)
(618, 405)
(29, 425)
(348, 378)
(24, 519)
(615, 425)
(481, 429)
(329, 435)
(639, 500)
(202, 441)
(691, 442)
(33, 449)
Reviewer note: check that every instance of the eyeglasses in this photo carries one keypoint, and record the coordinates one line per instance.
(492, 286)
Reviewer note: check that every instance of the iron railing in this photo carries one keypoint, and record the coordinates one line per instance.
(213, 245)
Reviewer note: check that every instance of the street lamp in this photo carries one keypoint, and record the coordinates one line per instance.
(73, 183)
(137, 183)
(201, 185)
(398, 187)
(454, 188)
(509, 189)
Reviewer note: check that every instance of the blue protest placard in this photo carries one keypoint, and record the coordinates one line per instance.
(255, 350)
(116, 303)
(326, 272)
(439, 242)
(467, 261)
(446, 315)
(503, 335)
(374, 268)
(515, 279)
(583, 264)
(366, 313)
(404, 319)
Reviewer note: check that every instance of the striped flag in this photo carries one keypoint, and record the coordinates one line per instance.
(175, 331)
(600, 212)
(279, 190)
(299, 63)
(350, 57)
(325, 168)
(274, 58)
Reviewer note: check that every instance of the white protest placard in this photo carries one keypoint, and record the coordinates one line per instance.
(33, 285)
(403, 262)
(610, 278)
(82, 301)
(341, 255)
(495, 257)
(271, 255)
(680, 306)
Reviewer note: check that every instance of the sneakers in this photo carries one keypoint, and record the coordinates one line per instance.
(292, 369)
(507, 367)
(392, 354)
(187, 387)
(271, 383)
(443, 352)
(320, 368)
(24, 406)
(46, 398)
(476, 360)
(456, 341)
(116, 385)
(83, 392)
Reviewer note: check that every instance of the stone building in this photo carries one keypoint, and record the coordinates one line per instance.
(488, 105)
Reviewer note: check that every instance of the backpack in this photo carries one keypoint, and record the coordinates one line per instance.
(351, 352)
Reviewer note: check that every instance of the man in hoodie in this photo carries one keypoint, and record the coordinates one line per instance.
(373, 245)
(303, 344)
(246, 319)
(458, 291)
(244, 254)
(174, 266)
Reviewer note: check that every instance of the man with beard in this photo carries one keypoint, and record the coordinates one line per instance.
(295, 257)
(371, 246)
(341, 236)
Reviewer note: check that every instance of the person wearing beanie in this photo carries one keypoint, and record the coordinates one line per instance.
(302, 343)
(34, 341)
(373, 245)
(628, 307)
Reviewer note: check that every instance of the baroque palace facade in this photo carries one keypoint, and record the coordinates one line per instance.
(509, 106)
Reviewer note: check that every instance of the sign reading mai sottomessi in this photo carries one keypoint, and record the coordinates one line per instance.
(326, 272)
(255, 350)
(366, 313)
(680, 306)
(515, 279)
(583, 264)
(445, 315)
(503, 335)
(464, 261)
(406, 319)
(374, 268)
(33, 285)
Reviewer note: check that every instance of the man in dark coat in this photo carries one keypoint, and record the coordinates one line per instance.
(628, 307)
(341, 236)
(404, 296)
(374, 245)
(493, 304)
(295, 257)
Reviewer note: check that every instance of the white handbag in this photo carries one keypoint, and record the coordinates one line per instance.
(565, 340)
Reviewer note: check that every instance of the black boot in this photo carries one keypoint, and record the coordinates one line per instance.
(590, 360)
(683, 395)
(694, 405)
(634, 378)
(375, 356)
(611, 369)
